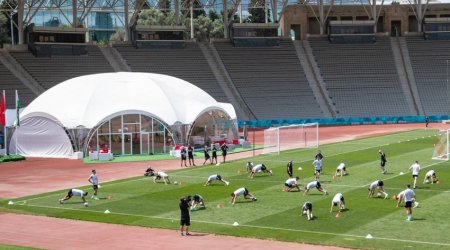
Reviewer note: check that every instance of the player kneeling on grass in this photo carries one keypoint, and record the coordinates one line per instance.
(216, 177)
(315, 184)
(197, 200)
(149, 172)
(340, 170)
(75, 192)
(161, 175)
(374, 185)
(307, 210)
(242, 191)
(401, 196)
(430, 176)
(260, 168)
(292, 183)
(338, 201)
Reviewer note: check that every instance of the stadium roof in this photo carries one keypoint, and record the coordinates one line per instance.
(88, 100)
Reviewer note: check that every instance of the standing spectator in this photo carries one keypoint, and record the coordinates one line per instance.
(415, 170)
(183, 153)
(224, 149)
(214, 153)
(94, 181)
(190, 151)
(427, 120)
(185, 219)
(382, 161)
(207, 157)
(289, 169)
(408, 196)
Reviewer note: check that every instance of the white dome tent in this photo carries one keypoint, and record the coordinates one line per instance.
(129, 112)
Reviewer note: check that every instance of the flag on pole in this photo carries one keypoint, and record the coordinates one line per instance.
(3, 110)
(17, 109)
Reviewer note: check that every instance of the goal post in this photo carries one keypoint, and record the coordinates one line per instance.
(277, 139)
(441, 146)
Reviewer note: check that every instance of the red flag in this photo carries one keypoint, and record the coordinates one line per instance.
(3, 111)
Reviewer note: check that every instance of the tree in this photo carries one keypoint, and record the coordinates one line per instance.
(198, 8)
(164, 6)
(4, 31)
(257, 12)
(150, 17)
(212, 14)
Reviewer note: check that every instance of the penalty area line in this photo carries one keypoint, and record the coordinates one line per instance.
(250, 226)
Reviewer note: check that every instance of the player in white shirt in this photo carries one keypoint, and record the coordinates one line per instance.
(216, 177)
(94, 181)
(338, 200)
(292, 183)
(249, 166)
(415, 170)
(377, 184)
(307, 210)
(197, 200)
(401, 196)
(260, 168)
(315, 184)
(317, 168)
(161, 175)
(74, 192)
(242, 191)
(340, 170)
(431, 175)
(408, 196)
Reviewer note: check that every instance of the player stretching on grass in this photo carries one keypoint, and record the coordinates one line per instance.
(242, 191)
(431, 175)
(382, 161)
(338, 201)
(292, 183)
(216, 177)
(94, 181)
(307, 210)
(249, 167)
(197, 200)
(374, 185)
(260, 168)
(415, 170)
(74, 192)
(161, 175)
(401, 196)
(315, 184)
(340, 170)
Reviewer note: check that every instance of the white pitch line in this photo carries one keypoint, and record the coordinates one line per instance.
(251, 226)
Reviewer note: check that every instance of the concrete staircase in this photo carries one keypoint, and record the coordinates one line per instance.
(313, 76)
(223, 78)
(115, 59)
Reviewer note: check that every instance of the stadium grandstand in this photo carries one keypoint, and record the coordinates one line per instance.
(273, 60)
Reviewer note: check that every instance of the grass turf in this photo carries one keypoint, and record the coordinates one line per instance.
(276, 214)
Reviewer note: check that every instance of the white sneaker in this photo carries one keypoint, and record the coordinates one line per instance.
(227, 183)
(61, 201)
(416, 204)
(325, 193)
(386, 196)
(270, 172)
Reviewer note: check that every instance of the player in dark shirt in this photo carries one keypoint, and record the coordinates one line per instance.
(289, 168)
(183, 153)
(190, 151)
(224, 149)
(185, 219)
(319, 155)
(214, 154)
(382, 161)
(207, 157)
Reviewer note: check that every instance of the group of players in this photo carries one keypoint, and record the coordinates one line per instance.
(197, 202)
(188, 152)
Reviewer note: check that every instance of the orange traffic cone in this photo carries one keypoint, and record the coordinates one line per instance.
(437, 182)
(180, 183)
(334, 177)
(219, 205)
(239, 171)
(338, 215)
(109, 197)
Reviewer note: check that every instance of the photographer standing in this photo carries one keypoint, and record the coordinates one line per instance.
(185, 220)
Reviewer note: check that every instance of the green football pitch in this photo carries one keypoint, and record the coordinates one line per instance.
(276, 214)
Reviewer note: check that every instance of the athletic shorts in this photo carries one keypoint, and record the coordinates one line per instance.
(415, 175)
(95, 187)
(70, 194)
(408, 204)
(196, 198)
(263, 168)
(318, 185)
(342, 198)
(183, 157)
(288, 185)
(185, 222)
(224, 153)
(245, 192)
(382, 163)
(219, 178)
(317, 171)
(191, 156)
(207, 157)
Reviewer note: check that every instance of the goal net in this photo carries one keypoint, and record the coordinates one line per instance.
(441, 146)
(282, 138)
